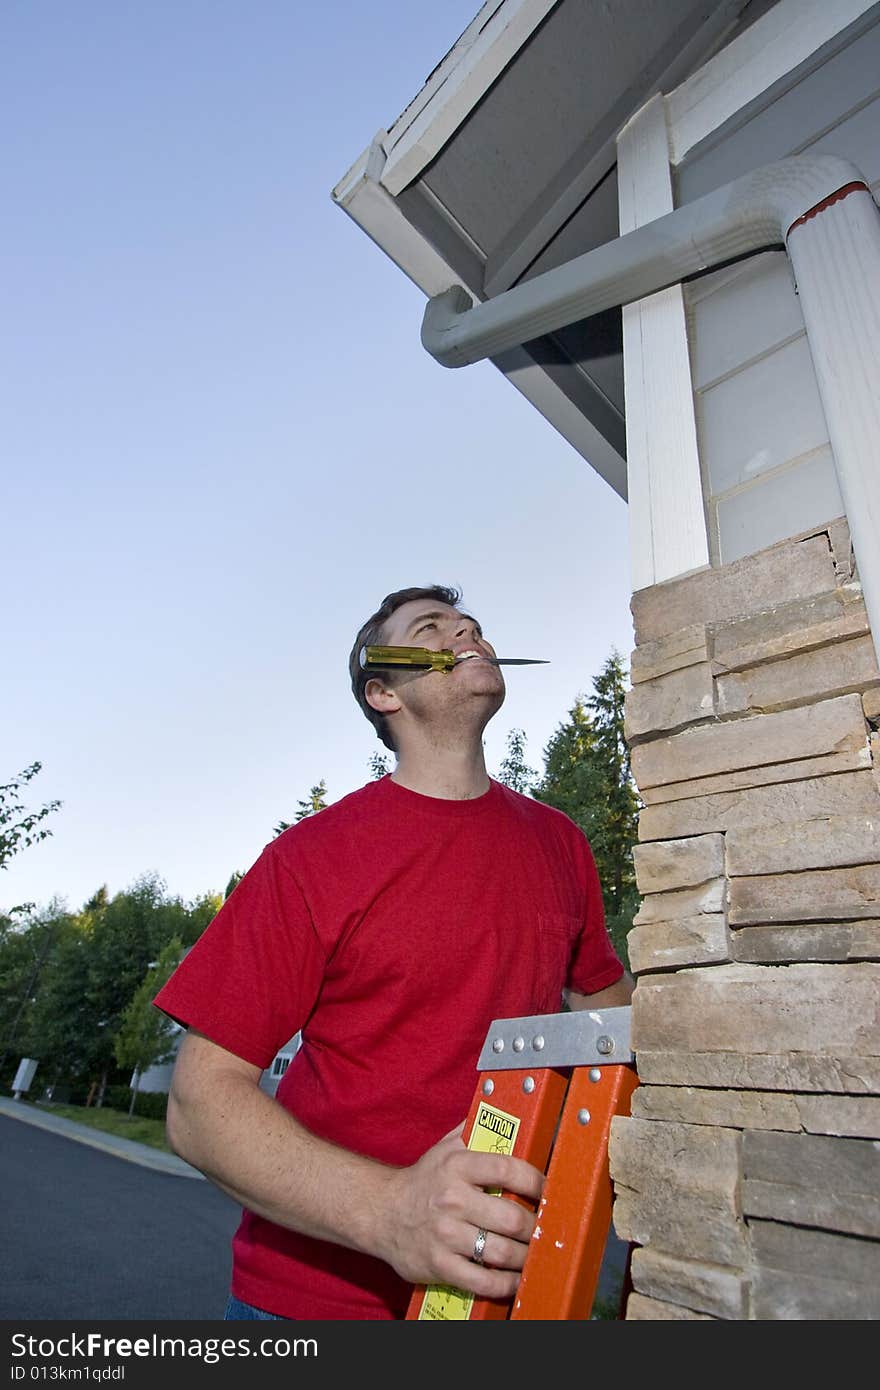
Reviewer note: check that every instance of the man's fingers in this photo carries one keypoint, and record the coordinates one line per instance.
(502, 1217)
(498, 1252)
(454, 1133)
(482, 1280)
(501, 1170)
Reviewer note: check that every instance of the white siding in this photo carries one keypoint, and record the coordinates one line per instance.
(789, 502)
(767, 465)
(761, 417)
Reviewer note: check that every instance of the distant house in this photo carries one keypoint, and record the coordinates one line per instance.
(158, 1078)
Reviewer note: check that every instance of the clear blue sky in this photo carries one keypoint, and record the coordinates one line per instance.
(223, 444)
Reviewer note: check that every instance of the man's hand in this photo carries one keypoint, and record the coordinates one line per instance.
(423, 1220)
(436, 1208)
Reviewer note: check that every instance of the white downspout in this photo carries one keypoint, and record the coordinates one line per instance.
(820, 209)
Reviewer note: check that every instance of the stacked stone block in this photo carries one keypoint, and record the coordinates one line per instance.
(748, 1176)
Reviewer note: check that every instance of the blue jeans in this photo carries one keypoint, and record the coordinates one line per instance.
(237, 1311)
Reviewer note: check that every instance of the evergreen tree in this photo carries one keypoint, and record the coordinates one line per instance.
(587, 775)
(567, 767)
(314, 802)
(379, 765)
(617, 830)
(514, 771)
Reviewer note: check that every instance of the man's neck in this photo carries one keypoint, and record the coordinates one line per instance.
(453, 774)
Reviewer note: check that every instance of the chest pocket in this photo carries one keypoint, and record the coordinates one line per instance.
(558, 933)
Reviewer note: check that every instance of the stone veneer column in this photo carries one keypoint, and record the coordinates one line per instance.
(748, 1176)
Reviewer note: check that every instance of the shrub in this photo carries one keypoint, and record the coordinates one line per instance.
(150, 1105)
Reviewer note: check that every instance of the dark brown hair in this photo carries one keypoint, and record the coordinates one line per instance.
(371, 635)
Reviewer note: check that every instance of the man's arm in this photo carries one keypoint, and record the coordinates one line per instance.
(422, 1220)
(610, 997)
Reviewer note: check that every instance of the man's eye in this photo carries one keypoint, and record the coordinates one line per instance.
(424, 628)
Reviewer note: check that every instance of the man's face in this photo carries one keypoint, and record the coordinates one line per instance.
(427, 623)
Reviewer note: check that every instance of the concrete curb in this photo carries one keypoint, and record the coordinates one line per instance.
(132, 1152)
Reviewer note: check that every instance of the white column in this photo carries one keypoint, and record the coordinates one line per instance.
(667, 521)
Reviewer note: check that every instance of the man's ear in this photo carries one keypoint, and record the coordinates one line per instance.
(381, 697)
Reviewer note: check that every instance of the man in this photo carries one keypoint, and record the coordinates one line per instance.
(390, 929)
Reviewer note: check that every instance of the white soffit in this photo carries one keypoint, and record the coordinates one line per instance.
(467, 72)
(397, 156)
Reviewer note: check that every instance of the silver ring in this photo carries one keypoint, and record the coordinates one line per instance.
(479, 1246)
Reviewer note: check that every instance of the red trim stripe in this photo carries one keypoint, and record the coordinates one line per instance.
(836, 197)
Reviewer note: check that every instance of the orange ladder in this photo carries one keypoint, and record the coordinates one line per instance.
(548, 1089)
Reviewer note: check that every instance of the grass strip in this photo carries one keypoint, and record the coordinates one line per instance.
(137, 1128)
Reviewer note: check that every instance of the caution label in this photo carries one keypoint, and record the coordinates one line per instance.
(494, 1131)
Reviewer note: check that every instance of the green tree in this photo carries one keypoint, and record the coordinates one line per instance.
(62, 1025)
(314, 802)
(587, 775)
(566, 763)
(617, 830)
(26, 938)
(197, 915)
(67, 978)
(234, 880)
(379, 765)
(18, 826)
(514, 771)
(145, 1036)
(97, 964)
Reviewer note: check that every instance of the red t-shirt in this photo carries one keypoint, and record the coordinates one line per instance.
(390, 929)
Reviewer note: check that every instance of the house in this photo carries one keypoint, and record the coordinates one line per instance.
(158, 1078)
(660, 223)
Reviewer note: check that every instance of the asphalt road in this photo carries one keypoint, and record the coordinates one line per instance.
(88, 1235)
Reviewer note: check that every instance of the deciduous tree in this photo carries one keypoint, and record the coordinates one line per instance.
(18, 826)
(145, 1036)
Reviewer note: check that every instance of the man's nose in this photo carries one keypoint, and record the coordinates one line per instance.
(466, 628)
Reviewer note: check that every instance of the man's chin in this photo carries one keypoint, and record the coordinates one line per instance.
(493, 699)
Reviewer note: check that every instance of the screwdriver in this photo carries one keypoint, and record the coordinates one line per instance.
(423, 658)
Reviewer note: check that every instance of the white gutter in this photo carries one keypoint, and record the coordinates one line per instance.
(820, 209)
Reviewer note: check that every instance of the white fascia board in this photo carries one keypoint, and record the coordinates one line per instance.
(361, 195)
(774, 45)
(455, 87)
(367, 203)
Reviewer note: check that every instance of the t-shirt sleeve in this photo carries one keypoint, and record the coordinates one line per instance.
(594, 963)
(251, 980)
